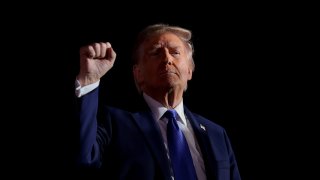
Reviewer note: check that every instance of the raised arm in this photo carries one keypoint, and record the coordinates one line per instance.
(95, 61)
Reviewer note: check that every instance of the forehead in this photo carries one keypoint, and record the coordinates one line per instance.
(164, 39)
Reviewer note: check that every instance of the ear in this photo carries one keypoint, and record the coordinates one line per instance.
(190, 73)
(137, 73)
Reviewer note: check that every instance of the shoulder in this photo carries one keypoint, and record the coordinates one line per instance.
(215, 132)
(203, 121)
(207, 122)
(115, 111)
(123, 113)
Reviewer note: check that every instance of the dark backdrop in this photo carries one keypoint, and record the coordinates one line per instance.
(246, 78)
(236, 65)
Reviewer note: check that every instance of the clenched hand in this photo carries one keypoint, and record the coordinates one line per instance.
(95, 61)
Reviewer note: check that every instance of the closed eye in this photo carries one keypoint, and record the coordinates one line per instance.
(155, 52)
(175, 53)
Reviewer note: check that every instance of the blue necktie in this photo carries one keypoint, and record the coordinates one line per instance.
(180, 155)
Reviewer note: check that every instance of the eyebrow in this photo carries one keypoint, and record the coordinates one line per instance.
(170, 45)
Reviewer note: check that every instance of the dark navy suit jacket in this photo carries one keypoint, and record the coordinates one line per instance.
(129, 145)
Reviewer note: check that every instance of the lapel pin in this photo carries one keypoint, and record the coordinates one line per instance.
(202, 127)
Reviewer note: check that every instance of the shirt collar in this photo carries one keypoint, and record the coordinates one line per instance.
(158, 109)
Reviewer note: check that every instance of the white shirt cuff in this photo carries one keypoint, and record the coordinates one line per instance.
(80, 91)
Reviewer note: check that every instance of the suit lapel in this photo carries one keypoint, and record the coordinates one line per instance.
(153, 136)
(200, 132)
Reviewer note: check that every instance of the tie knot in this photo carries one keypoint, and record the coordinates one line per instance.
(171, 113)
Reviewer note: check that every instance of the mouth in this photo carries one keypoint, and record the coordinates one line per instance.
(166, 73)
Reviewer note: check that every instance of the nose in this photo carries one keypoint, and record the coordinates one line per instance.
(167, 57)
(168, 60)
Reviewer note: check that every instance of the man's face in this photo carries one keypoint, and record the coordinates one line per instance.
(164, 63)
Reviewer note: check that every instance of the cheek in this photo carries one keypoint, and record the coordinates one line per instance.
(148, 73)
(150, 69)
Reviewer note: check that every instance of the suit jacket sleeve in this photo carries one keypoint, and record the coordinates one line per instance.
(92, 137)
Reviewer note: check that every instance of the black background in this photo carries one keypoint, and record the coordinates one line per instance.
(249, 77)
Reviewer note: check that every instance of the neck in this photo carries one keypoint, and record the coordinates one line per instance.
(169, 99)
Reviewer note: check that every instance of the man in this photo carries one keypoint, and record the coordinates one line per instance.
(141, 145)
